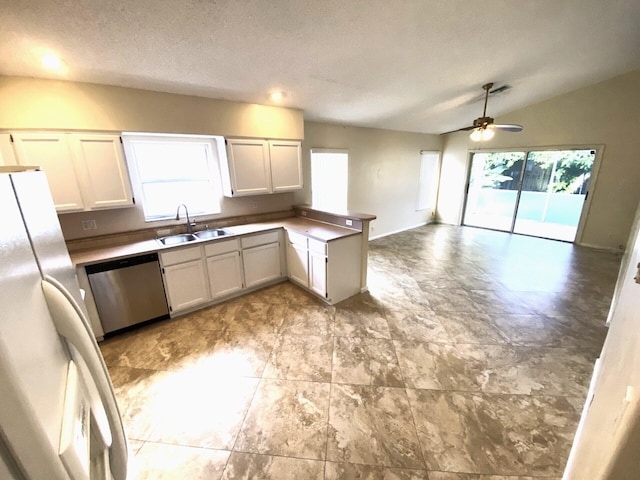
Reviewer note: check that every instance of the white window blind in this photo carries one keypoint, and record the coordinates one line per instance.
(429, 180)
(175, 170)
(329, 179)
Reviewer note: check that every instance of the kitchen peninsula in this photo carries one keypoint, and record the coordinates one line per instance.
(323, 252)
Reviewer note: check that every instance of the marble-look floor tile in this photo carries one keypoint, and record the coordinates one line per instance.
(251, 466)
(212, 318)
(133, 446)
(435, 366)
(350, 471)
(287, 418)
(499, 301)
(416, 324)
(135, 391)
(527, 329)
(190, 409)
(301, 357)
(284, 293)
(256, 319)
(308, 320)
(527, 370)
(471, 280)
(374, 426)
(451, 300)
(159, 346)
(365, 361)
(361, 321)
(239, 354)
(583, 334)
(470, 328)
(466, 476)
(493, 434)
(158, 461)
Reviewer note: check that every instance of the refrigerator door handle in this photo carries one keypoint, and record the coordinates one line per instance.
(71, 325)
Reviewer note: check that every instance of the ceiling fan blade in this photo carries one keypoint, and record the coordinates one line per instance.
(507, 127)
(463, 129)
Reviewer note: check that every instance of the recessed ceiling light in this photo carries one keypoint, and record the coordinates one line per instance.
(277, 96)
(51, 61)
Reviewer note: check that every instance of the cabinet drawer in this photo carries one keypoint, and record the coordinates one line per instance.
(218, 248)
(179, 256)
(261, 239)
(317, 246)
(297, 239)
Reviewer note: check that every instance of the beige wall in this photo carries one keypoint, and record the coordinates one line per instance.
(606, 114)
(384, 168)
(54, 105)
(606, 445)
(49, 104)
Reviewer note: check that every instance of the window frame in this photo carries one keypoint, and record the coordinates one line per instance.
(346, 193)
(212, 145)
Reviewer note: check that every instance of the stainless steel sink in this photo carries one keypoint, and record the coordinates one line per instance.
(212, 233)
(177, 239)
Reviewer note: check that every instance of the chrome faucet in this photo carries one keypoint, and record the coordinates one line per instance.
(189, 224)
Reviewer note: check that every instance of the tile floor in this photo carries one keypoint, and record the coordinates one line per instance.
(468, 360)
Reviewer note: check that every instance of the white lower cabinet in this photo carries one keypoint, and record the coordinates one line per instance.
(261, 264)
(318, 273)
(297, 263)
(196, 276)
(224, 268)
(186, 285)
(328, 269)
(185, 280)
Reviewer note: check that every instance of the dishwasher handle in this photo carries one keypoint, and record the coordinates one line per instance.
(121, 263)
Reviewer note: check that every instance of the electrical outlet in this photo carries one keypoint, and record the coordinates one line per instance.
(89, 225)
(303, 213)
(348, 222)
(254, 204)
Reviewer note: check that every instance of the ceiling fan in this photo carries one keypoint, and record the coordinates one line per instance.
(483, 128)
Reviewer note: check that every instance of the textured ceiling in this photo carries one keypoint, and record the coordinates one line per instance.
(405, 65)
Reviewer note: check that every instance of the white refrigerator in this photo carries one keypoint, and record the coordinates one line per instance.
(59, 419)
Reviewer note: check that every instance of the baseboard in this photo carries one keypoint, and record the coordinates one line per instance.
(398, 231)
(600, 247)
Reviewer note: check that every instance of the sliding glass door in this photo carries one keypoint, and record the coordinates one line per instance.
(493, 189)
(539, 193)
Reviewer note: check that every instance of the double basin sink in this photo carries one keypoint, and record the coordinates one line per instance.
(192, 237)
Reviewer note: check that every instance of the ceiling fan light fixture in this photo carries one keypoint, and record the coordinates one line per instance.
(482, 134)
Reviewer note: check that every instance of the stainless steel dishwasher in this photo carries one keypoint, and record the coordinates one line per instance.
(128, 291)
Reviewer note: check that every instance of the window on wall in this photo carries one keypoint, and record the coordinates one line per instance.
(174, 170)
(329, 179)
(429, 180)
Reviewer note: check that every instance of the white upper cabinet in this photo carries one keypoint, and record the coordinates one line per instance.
(286, 171)
(249, 171)
(102, 169)
(84, 171)
(51, 152)
(256, 167)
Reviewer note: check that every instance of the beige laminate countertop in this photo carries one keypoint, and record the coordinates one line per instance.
(320, 231)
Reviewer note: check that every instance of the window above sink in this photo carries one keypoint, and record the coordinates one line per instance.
(168, 170)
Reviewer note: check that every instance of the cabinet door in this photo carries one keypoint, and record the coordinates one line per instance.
(297, 264)
(51, 151)
(318, 273)
(249, 167)
(261, 264)
(102, 168)
(7, 157)
(286, 170)
(225, 274)
(186, 285)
